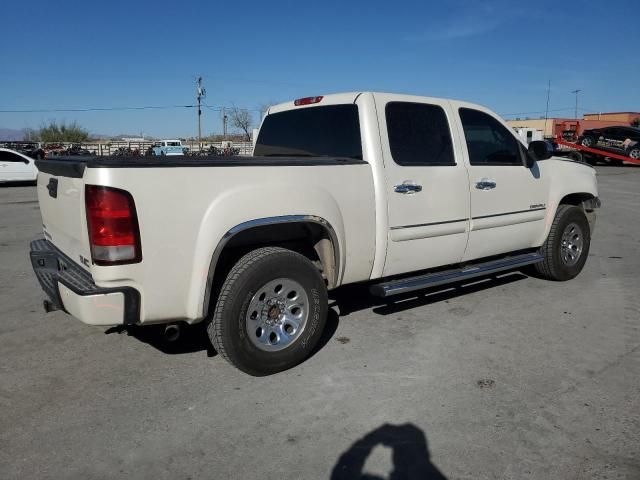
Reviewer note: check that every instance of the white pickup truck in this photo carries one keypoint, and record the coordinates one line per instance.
(399, 191)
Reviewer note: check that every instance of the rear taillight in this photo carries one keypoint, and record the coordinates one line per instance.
(113, 226)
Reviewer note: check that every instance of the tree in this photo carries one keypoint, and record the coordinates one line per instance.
(241, 119)
(54, 132)
(636, 122)
(31, 135)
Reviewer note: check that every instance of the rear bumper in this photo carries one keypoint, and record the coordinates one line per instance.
(71, 288)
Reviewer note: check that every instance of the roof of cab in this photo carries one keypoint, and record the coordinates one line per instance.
(350, 97)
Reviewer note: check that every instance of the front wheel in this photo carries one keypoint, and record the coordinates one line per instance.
(634, 153)
(270, 313)
(566, 249)
(588, 142)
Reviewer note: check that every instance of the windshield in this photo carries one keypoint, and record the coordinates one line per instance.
(173, 144)
(331, 131)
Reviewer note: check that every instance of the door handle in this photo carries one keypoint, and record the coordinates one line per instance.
(407, 188)
(485, 184)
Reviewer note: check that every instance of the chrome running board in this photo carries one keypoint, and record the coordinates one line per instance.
(404, 285)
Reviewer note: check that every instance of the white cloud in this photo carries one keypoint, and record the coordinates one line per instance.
(467, 20)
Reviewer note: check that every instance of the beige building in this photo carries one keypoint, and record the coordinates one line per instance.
(623, 118)
(537, 124)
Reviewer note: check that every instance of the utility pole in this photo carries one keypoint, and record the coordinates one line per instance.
(200, 93)
(576, 92)
(224, 124)
(546, 112)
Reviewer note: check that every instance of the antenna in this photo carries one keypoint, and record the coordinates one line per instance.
(546, 112)
(200, 93)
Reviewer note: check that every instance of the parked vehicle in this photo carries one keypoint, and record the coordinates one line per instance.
(399, 191)
(622, 139)
(30, 149)
(16, 167)
(59, 150)
(168, 147)
(126, 152)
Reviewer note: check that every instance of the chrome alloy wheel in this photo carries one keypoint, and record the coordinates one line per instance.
(572, 244)
(277, 314)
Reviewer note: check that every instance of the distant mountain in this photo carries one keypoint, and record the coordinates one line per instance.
(10, 134)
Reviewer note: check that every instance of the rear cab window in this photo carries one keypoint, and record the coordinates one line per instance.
(488, 141)
(326, 131)
(419, 134)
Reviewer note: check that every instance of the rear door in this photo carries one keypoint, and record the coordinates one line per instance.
(508, 200)
(426, 183)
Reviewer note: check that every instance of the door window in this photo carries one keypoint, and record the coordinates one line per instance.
(488, 141)
(419, 134)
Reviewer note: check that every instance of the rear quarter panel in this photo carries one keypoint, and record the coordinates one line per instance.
(184, 212)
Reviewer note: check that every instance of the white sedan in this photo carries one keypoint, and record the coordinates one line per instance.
(16, 167)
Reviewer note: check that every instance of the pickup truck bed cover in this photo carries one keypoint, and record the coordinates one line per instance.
(74, 166)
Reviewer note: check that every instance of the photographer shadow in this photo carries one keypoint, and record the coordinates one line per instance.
(410, 455)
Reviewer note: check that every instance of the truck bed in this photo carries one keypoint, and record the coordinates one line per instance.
(183, 214)
(73, 166)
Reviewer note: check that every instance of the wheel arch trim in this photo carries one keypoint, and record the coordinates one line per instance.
(267, 221)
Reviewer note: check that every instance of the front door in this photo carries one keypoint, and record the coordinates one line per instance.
(426, 184)
(508, 200)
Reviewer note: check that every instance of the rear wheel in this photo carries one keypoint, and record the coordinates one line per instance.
(566, 249)
(634, 153)
(270, 313)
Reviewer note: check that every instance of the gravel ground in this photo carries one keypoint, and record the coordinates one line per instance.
(513, 377)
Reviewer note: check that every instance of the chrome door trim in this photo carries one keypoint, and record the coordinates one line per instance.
(429, 224)
(509, 213)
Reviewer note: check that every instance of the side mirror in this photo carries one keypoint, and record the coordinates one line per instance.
(539, 150)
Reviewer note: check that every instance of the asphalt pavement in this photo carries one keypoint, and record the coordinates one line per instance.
(508, 378)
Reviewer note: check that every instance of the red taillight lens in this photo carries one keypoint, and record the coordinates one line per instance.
(113, 226)
(307, 100)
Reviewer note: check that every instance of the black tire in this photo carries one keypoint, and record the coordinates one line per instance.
(554, 267)
(229, 332)
(634, 153)
(588, 141)
(576, 157)
(616, 163)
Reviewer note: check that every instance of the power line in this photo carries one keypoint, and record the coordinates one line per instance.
(537, 112)
(95, 109)
(114, 109)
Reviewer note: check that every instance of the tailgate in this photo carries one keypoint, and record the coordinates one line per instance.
(61, 199)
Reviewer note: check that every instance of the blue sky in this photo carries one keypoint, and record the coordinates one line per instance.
(78, 54)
